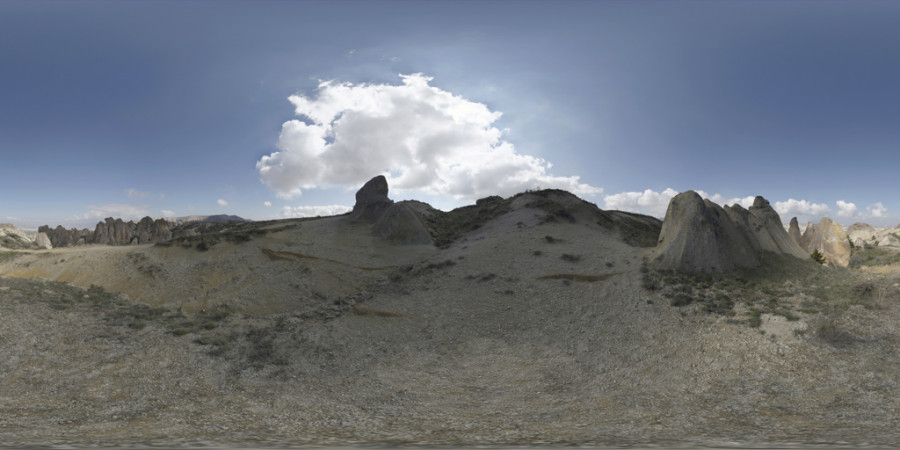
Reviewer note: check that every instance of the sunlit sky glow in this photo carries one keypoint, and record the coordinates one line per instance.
(282, 109)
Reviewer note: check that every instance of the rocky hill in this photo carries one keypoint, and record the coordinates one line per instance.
(536, 319)
(866, 236)
(12, 238)
(700, 236)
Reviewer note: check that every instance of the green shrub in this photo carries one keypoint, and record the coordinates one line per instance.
(817, 256)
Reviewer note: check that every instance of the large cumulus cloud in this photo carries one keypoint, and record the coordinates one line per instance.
(419, 136)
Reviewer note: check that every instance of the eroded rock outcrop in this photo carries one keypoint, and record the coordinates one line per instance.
(862, 235)
(111, 232)
(829, 239)
(61, 237)
(701, 236)
(395, 222)
(118, 232)
(13, 238)
(43, 241)
(371, 200)
(794, 230)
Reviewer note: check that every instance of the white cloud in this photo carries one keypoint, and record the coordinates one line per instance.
(222, 202)
(134, 193)
(116, 211)
(419, 136)
(313, 211)
(746, 202)
(647, 202)
(877, 210)
(846, 209)
(801, 208)
(267, 204)
(167, 213)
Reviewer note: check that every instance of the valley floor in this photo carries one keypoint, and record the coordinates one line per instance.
(546, 334)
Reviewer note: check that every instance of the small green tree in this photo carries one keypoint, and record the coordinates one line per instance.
(817, 256)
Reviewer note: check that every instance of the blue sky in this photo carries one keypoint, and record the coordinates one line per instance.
(127, 109)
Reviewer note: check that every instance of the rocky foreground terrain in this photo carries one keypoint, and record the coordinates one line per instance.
(528, 320)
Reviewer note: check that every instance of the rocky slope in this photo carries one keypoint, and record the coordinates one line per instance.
(866, 236)
(14, 239)
(532, 320)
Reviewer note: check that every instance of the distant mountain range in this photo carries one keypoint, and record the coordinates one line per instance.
(218, 218)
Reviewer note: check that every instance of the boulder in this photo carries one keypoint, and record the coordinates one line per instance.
(371, 200)
(43, 241)
(400, 224)
(700, 236)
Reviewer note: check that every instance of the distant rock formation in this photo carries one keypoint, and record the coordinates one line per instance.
(119, 232)
(61, 237)
(111, 232)
(395, 222)
(371, 200)
(862, 235)
(829, 239)
(12, 238)
(794, 230)
(700, 236)
(889, 240)
(43, 241)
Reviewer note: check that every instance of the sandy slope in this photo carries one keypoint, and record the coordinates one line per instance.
(288, 269)
(498, 338)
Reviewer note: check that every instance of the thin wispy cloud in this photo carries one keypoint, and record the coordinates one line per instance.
(114, 210)
(222, 202)
(419, 136)
(134, 193)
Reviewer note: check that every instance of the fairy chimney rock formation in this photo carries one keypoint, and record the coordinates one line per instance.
(700, 236)
(371, 200)
(794, 230)
(829, 239)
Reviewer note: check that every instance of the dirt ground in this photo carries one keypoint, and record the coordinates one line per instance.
(523, 332)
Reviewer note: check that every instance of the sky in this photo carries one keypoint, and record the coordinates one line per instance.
(284, 109)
